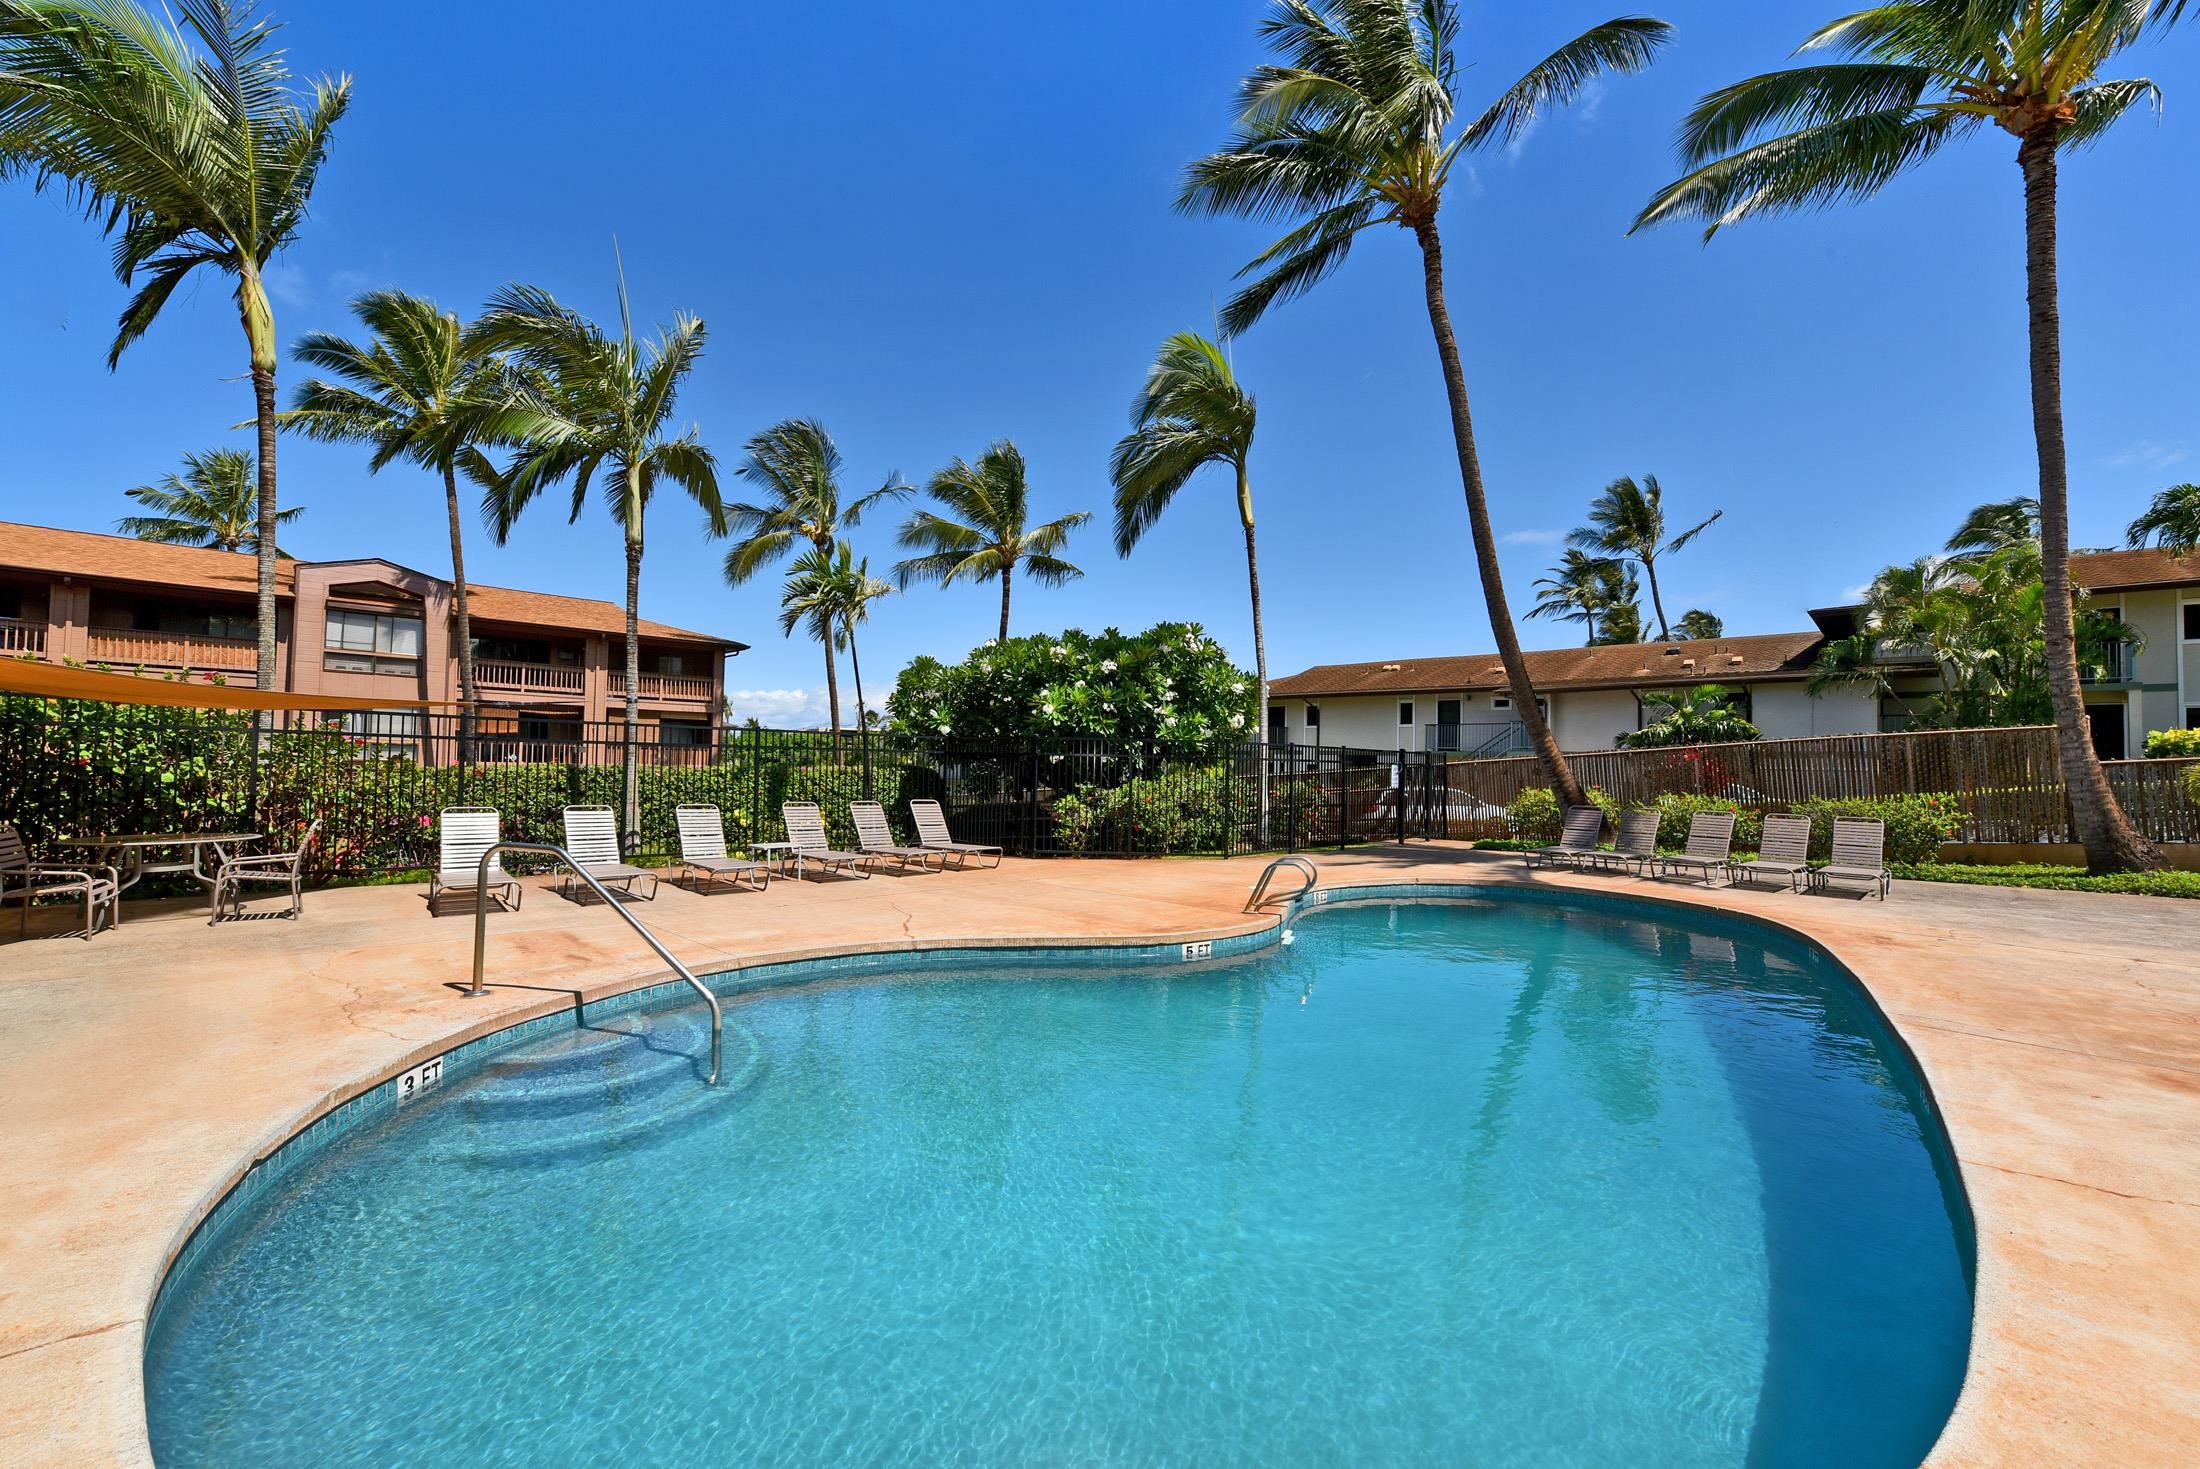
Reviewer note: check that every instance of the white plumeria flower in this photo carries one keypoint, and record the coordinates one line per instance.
(1107, 665)
(1106, 707)
(1238, 687)
(945, 730)
(1237, 721)
(990, 643)
(1168, 719)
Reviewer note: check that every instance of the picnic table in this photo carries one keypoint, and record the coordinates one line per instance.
(135, 855)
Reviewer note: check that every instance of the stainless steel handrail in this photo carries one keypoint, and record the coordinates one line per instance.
(481, 935)
(1260, 888)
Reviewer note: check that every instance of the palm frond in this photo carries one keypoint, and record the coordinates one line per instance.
(1625, 45)
(1815, 168)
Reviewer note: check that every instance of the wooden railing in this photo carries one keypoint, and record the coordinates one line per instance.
(19, 636)
(528, 678)
(664, 686)
(129, 647)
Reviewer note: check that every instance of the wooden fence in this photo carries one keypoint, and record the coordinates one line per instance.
(2006, 781)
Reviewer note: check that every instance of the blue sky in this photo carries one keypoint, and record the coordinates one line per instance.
(932, 226)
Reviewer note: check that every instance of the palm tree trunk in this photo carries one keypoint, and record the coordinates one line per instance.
(467, 706)
(1555, 769)
(1260, 644)
(863, 721)
(1006, 573)
(2111, 843)
(832, 688)
(1657, 603)
(259, 332)
(630, 797)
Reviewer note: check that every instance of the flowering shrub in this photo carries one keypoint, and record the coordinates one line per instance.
(1183, 809)
(1170, 688)
(1533, 815)
(2170, 744)
(1916, 825)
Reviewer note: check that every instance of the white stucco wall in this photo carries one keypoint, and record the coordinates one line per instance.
(1593, 719)
(1786, 711)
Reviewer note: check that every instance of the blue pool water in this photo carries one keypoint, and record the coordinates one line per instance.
(1484, 1182)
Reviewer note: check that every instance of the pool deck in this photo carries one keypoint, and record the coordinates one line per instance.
(140, 1073)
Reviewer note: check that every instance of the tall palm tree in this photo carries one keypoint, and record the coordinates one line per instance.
(598, 402)
(1628, 521)
(796, 466)
(211, 503)
(1355, 125)
(1190, 413)
(1581, 589)
(184, 139)
(2171, 521)
(1916, 75)
(1699, 626)
(833, 592)
(989, 540)
(1997, 526)
(419, 389)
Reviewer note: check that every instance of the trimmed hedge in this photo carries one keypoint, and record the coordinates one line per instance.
(2067, 879)
(1916, 825)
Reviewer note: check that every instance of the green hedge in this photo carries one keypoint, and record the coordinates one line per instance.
(1533, 815)
(1916, 825)
(2068, 879)
(1182, 810)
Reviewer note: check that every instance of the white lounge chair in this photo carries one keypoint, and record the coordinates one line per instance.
(1710, 847)
(1637, 845)
(703, 850)
(592, 837)
(874, 838)
(933, 835)
(283, 869)
(1577, 838)
(24, 881)
(807, 842)
(1859, 857)
(463, 833)
(1783, 852)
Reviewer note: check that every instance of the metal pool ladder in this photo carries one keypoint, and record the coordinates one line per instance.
(481, 934)
(1260, 888)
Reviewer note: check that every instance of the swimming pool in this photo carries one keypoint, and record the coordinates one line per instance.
(1502, 1181)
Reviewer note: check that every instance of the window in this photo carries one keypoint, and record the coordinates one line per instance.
(1500, 701)
(2192, 622)
(371, 642)
(685, 733)
(1276, 722)
(386, 732)
(2192, 716)
(1313, 716)
(672, 663)
(1405, 711)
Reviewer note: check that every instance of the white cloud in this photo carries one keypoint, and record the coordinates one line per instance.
(782, 708)
(1530, 537)
(1590, 102)
(2148, 454)
(1857, 594)
(288, 285)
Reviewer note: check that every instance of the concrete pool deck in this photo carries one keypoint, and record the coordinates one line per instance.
(140, 1074)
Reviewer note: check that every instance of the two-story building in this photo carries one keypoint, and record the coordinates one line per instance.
(2154, 684)
(546, 665)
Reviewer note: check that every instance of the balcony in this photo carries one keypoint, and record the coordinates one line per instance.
(18, 637)
(528, 678)
(2110, 665)
(665, 686)
(129, 648)
(1486, 739)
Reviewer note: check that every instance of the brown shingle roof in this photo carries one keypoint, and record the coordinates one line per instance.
(40, 548)
(1782, 655)
(2110, 571)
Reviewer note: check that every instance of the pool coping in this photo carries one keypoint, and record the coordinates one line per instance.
(370, 1099)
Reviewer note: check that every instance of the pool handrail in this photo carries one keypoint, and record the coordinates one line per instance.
(481, 935)
(1260, 888)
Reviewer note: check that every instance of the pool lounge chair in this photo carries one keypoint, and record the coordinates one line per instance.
(592, 837)
(1783, 852)
(24, 881)
(463, 834)
(703, 851)
(808, 843)
(874, 838)
(1577, 838)
(932, 833)
(1859, 857)
(1637, 845)
(282, 869)
(1710, 847)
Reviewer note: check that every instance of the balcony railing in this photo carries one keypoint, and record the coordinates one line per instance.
(129, 647)
(1491, 738)
(2109, 665)
(664, 686)
(528, 678)
(19, 636)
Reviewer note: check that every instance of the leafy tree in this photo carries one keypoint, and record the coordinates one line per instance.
(213, 503)
(598, 403)
(1998, 526)
(1914, 76)
(1583, 588)
(1623, 622)
(184, 139)
(422, 389)
(796, 467)
(1355, 124)
(2171, 520)
(1627, 521)
(984, 534)
(1699, 625)
(1704, 715)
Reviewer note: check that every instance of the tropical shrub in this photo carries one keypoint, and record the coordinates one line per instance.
(1534, 815)
(2170, 744)
(1704, 715)
(1182, 809)
(1677, 809)
(1916, 825)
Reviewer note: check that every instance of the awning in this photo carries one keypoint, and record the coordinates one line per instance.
(57, 681)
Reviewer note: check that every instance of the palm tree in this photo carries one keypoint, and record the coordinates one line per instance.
(189, 157)
(1698, 625)
(1628, 521)
(1997, 526)
(2171, 521)
(1703, 715)
(1582, 588)
(1354, 126)
(989, 540)
(797, 466)
(833, 593)
(419, 389)
(1916, 75)
(598, 402)
(1189, 414)
(212, 503)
